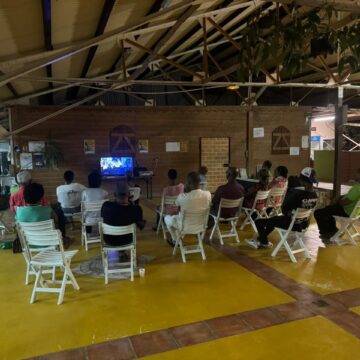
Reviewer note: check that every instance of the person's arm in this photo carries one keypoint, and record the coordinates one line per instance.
(217, 197)
(352, 196)
(291, 203)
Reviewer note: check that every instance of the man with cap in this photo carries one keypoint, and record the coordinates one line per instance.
(301, 197)
(121, 213)
(342, 206)
(17, 199)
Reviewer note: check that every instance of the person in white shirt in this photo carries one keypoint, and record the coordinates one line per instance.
(70, 195)
(192, 199)
(93, 193)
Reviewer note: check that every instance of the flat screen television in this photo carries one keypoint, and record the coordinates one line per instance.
(116, 166)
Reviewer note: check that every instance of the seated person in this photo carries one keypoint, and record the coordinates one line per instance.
(203, 179)
(17, 199)
(342, 206)
(232, 190)
(192, 199)
(280, 180)
(305, 198)
(173, 189)
(267, 165)
(131, 184)
(262, 185)
(121, 213)
(69, 195)
(93, 193)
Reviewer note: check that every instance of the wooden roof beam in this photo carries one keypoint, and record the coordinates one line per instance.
(342, 5)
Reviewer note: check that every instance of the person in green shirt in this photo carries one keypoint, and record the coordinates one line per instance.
(34, 212)
(342, 206)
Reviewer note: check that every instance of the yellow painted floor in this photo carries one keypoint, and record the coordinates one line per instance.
(172, 293)
(331, 269)
(311, 339)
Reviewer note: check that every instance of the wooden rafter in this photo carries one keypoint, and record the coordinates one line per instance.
(343, 5)
(165, 59)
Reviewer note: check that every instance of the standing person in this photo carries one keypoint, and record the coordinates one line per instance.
(121, 213)
(93, 193)
(232, 190)
(305, 198)
(342, 206)
(17, 198)
(267, 165)
(70, 195)
(203, 179)
(262, 185)
(173, 189)
(192, 199)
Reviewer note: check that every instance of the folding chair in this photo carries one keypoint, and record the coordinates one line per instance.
(299, 215)
(124, 267)
(165, 200)
(192, 223)
(346, 225)
(249, 212)
(227, 204)
(88, 208)
(21, 228)
(275, 200)
(50, 258)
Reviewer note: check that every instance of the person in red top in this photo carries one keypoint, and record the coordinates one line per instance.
(17, 199)
(262, 185)
(280, 179)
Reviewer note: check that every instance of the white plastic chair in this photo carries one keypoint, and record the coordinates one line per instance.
(299, 215)
(50, 258)
(21, 227)
(227, 204)
(347, 224)
(192, 223)
(249, 212)
(88, 208)
(275, 200)
(135, 193)
(165, 201)
(124, 267)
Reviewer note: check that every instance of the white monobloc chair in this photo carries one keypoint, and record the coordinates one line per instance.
(249, 212)
(56, 257)
(88, 208)
(227, 204)
(21, 228)
(165, 200)
(347, 227)
(276, 200)
(191, 223)
(298, 216)
(124, 267)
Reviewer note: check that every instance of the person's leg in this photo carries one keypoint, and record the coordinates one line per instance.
(61, 219)
(171, 224)
(325, 219)
(266, 227)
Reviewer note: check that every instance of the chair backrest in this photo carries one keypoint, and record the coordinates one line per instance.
(194, 221)
(261, 196)
(73, 198)
(231, 204)
(301, 215)
(106, 229)
(355, 214)
(135, 193)
(45, 238)
(276, 196)
(88, 207)
(167, 200)
(37, 226)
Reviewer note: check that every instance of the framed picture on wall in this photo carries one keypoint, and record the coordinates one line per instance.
(39, 160)
(36, 146)
(143, 146)
(89, 146)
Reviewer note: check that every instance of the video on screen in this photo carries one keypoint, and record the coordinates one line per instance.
(116, 166)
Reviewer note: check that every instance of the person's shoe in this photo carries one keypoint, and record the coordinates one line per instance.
(253, 243)
(170, 242)
(269, 245)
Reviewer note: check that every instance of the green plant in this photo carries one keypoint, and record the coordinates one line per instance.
(53, 154)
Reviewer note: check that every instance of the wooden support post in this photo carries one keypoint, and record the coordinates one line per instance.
(340, 120)
(249, 140)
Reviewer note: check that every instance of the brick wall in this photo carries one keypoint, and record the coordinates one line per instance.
(214, 154)
(159, 125)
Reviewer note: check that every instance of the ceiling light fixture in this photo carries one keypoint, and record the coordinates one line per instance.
(233, 87)
(324, 118)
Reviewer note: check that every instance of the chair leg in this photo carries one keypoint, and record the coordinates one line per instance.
(27, 273)
(233, 229)
(288, 249)
(176, 246)
(53, 274)
(182, 251)
(159, 225)
(36, 284)
(62, 288)
(302, 245)
(201, 246)
(219, 235)
(105, 266)
(279, 245)
(246, 221)
(72, 277)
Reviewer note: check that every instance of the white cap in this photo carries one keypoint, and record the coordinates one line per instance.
(23, 177)
(310, 174)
